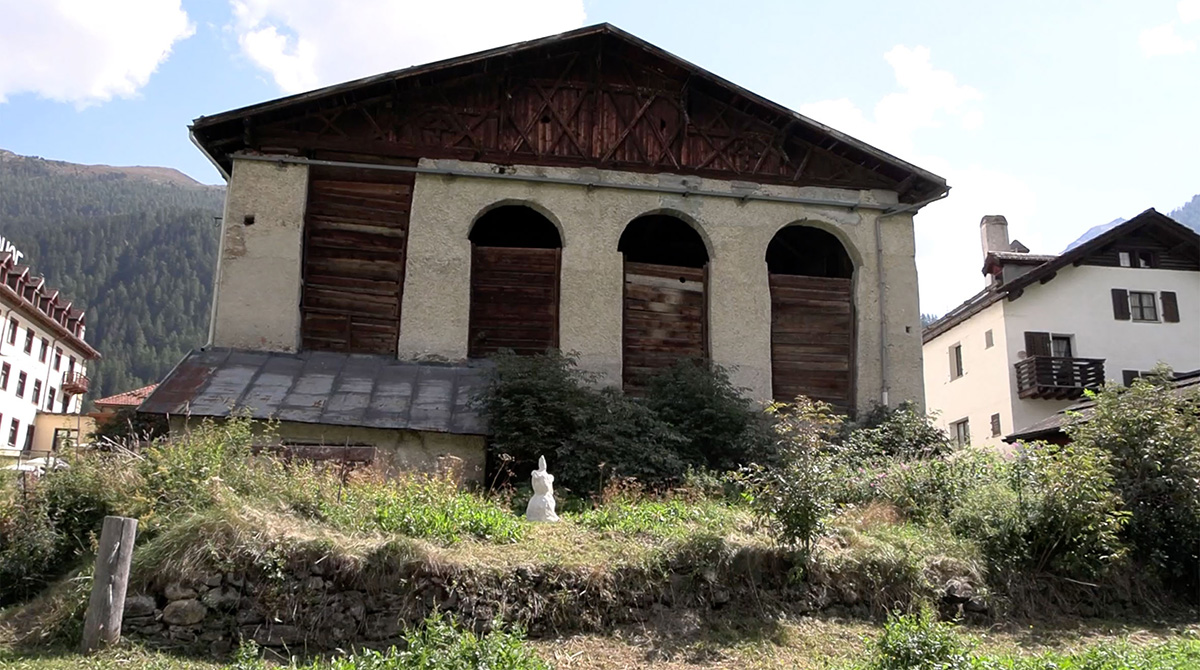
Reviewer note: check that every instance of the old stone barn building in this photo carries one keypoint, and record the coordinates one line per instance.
(587, 192)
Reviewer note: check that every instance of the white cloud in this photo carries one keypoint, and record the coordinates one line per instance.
(304, 44)
(1189, 10)
(928, 98)
(85, 51)
(948, 255)
(1164, 41)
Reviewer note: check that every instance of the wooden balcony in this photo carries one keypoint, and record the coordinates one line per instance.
(75, 383)
(1057, 377)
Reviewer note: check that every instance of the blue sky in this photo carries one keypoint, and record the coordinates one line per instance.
(1058, 115)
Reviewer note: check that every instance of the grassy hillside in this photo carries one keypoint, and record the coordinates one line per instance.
(135, 247)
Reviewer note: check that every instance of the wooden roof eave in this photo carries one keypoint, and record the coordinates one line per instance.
(228, 128)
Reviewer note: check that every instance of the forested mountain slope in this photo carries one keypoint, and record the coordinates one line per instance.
(135, 247)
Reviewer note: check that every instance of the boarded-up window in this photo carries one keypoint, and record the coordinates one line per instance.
(665, 312)
(515, 262)
(355, 236)
(812, 317)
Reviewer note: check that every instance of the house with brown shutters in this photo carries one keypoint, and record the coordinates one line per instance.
(1048, 327)
(587, 192)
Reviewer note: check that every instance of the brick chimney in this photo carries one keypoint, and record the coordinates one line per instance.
(993, 234)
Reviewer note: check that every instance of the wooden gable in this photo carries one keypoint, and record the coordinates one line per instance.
(593, 98)
(1169, 249)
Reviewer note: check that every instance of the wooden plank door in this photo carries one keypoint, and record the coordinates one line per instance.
(355, 236)
(665, 319)
(514, 300)
(812, 339)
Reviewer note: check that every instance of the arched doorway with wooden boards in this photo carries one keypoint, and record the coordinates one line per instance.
(516, 254)
(665, 312)
(812, 317)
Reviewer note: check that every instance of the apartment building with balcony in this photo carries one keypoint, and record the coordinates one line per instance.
(1047, 327)
(43, 362)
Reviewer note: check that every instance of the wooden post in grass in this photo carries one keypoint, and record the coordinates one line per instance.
(102, 627)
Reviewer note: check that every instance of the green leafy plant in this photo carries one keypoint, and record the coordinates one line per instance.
(1151, 434)
(721, 429)
(442, 644)
(793, 496)
(919, 642)
(902, 431)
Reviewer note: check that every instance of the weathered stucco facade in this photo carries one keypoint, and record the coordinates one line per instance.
(259, 282)
(262, 246)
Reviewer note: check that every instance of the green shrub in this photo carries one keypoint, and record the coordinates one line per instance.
(418, 506)
(625, 508)
(792, 496)
(1114, 655)
(927, 489)
(721, 428)
(619, 438)
(534, 406)
(1074, 516)
(919, 642)
(29, 548)
(1152, 436)
(902, 431)
(441, 644)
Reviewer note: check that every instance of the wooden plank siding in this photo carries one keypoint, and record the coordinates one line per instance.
(355, 236)
(514, 300)
(665, 319)
(1169, 253)
(812, 339)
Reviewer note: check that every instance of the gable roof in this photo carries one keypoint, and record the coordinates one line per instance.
(1047, 267)
(223, 135)
(126, 399)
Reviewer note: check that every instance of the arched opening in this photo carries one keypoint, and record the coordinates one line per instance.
(665, 312)
(812, 317)
(515, 261)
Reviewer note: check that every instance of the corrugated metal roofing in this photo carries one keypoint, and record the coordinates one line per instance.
(323, 388)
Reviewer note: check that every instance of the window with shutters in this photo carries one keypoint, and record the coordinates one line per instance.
(956, 361)
(961, 432)
(1143, 306)
(995, 425)
(1170, 307)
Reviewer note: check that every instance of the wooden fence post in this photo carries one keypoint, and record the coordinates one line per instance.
(102, 627)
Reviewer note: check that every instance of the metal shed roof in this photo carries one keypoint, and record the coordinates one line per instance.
(323, 388)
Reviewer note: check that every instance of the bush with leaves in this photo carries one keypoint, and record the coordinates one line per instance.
(721, 428)
(918, 641)
(793, 496)
(442, 644)
(29, 547)
(535, 405)
(692, 417)
(885, 432)
(1151, 433)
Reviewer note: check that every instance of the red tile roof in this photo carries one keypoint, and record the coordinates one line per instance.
(127, 399)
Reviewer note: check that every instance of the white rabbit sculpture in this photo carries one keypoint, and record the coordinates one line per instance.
(541, 505)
